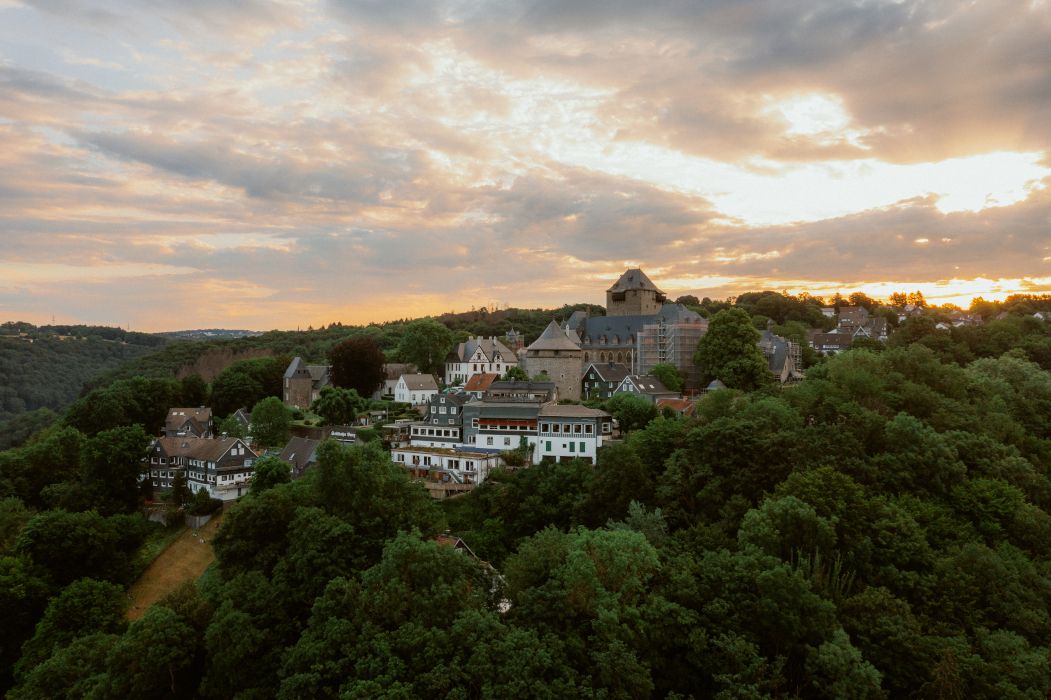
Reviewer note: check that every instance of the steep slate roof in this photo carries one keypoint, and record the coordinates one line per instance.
(595, 327)
(775, 348)
(491, 347)
(300, 453)
(633, 279)
(609, 371)
(420, 382)
(553, 338)
(204, 449)
(480, 382)
(648, 384)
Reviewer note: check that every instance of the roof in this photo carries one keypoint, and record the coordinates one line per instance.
(177, 417)
(300, 452)
(634, 278)
(420, 382)
(683, 407)
(293, 367)
(609, 371)
(571, 410)
(775, 348)
(715, 384)
(491, 347)
(205, 449)
(553, 338)
(396, 369)
(624, 327)
(480, 382)
(648, 384)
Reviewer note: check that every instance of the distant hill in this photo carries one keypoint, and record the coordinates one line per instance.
(209, 334)
(45, 367)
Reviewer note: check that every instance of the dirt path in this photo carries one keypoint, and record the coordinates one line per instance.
(185, 559)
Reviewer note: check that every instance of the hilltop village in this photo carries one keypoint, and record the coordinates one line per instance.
(503, 403)
(763, 496)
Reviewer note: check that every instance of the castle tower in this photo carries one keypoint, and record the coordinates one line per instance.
(634, 295)
(561, 358)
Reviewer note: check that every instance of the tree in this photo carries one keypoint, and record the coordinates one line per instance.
(729, 352)
(269, 472)
(339, 406)
(112, 465)
(425, 343)
(668, 375)
(515, 374)
(631, 411)
(271, 421)
(357, 364)
(180, 489)
(83, 607)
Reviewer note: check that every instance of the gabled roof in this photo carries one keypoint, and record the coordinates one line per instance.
(609, 371)
(177, 417)
(490, 347)
(300, 453)
(648, 384)
(593, 328)
(205, 449)
(553, 338)
(420, 382)
(480, 382)
(634, 278)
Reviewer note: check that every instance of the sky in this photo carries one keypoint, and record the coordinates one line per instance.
(171, 164)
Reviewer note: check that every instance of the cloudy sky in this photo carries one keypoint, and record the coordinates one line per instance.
(272, 164)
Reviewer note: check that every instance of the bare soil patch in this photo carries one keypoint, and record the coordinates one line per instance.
(184, 560)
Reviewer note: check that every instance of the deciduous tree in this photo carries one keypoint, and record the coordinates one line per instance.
(357, 364)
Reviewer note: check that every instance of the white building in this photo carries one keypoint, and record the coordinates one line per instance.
(571, 431)
(415, 389)
(460, 465)
(478, 356)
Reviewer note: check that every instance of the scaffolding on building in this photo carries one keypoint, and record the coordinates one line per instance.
(672, 343)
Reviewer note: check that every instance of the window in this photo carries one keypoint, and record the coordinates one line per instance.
(507, 441)
(451, 421)
(545, 428)
(474, 422)
(577, 428)
(606, 427)
(547, 445)
(442, 408)
(489, 440)
(572, 446)
(582, 447)
(587, 429)
(434, 409)
(452, 410)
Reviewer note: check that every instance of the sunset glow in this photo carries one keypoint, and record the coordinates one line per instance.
(279, 164)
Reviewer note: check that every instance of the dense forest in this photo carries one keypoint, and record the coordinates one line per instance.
(43, 369)
(879, 530)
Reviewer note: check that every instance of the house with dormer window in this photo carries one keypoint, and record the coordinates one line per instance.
(478, 356)
(222, 467)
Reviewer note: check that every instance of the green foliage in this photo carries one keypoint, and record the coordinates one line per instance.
(515, 374)
(84, 607)
(339, 406)
(269, 472)
(247, 382)
(68, 546)
(357, 364)
(631, 411)
(729, 352)
(425, 343)
(271, 421)
(879, 530)
(669, 376)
